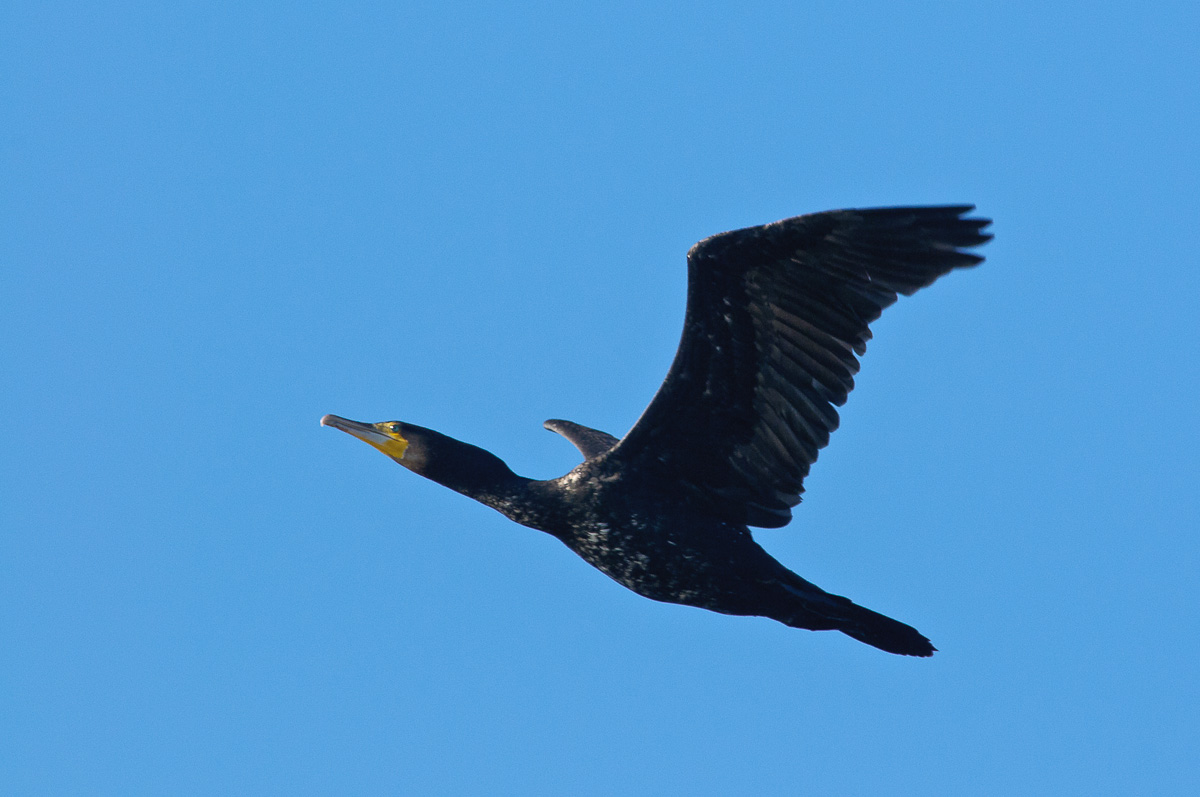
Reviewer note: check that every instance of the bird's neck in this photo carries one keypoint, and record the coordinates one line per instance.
(481, 475)
(467, 469)
(462, 467)
(536, 504)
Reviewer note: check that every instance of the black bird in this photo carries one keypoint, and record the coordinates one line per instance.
(775, 316)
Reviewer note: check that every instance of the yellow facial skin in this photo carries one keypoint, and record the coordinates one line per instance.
(384, 436)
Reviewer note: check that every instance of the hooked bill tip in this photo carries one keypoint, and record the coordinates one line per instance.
(327, 420)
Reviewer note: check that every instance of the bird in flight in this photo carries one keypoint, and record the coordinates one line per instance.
(776, 315)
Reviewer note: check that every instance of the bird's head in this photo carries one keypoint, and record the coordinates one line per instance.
(460, 466)
(390, 437)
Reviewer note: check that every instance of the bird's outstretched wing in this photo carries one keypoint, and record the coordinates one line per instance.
(775, 316)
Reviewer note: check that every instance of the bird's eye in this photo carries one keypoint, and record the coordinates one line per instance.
(395, 428)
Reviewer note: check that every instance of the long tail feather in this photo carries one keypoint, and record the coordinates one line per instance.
(812, 608)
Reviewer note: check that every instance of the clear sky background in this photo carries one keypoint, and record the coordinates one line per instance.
(223, 220)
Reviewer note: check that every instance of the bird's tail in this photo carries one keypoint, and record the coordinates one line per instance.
(885, 633)
(821, 611)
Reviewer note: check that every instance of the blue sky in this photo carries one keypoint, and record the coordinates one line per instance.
(225, 220)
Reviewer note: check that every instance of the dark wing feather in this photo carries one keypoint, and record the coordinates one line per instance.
(590, 442)
(775, 316)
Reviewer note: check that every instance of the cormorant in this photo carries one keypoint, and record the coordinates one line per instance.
(775, 316)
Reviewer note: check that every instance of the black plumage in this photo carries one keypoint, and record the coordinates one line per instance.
(776, 315)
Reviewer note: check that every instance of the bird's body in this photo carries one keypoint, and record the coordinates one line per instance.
(775, 316)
